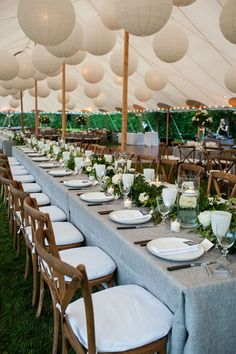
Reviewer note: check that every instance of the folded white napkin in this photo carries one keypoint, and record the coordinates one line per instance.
(131, 215)
(178, 249)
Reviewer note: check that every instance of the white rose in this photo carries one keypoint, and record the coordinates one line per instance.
(110, 168)
(116, 178)
(143, 197)
(89, 169)
(205, 218)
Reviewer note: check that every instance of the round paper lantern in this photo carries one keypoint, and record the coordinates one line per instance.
(155, 79)
(23, 84)
(12, 91)
(46, 22)
(44, 61)
(26, 68)
(17, 95)
(108, 16)
(77, 58)
(142, 17)
(9, 66)
(227, 21)
(183, 2)
(92, 71)
(8, 84)
(143, 93)
(70, 105)
(71, 81)
(38, 76)
(42, 88)
(117, 62)
(67, 98)
(171, 43)
(100, 101)
(3, 92)
(55, 82)
(230, 79)
(71, 45)
(92, 91)
(13, 103)
(98, 40)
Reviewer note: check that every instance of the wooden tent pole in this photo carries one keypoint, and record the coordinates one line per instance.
(22, 110)
(167, 127)
(125, 92)
(63, 133)
(36, 108)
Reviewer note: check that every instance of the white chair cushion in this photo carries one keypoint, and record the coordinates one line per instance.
(24, 178)
(19, 172)
(41, 198)
(126, 317)
(31, 187)
(55, 213)
(65, 233)
(14, 163)
(97, 262)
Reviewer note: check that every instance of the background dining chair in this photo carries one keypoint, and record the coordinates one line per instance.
(187, 154)
(145, 161)
(222, 183)
(124, 319)
(167, 168)
(190, 169)
(100, 266)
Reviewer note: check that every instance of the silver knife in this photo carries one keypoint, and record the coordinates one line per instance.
(189, 265)
(135, 227)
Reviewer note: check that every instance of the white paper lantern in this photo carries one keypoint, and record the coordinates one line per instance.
(92, 71)
(17, 95)
(143, 93)
(98, 40)
(71, 81)
(117, 62)
(171, 43)
(26, 68)
(42, 88)
(92, 91)
(13, 103)
(77, 58)
(55, 83)
(23, 84)
(9, 66)
(8, 84)
(12, 91)
(230, 79)
(55, 73)
(227, 21)
(38, 76)
(142, 17)
(67, 97)
(108, 15)
(46, 22)
(156, 79)
(100, 101)
(183, 2)
(44, 61)
(70, 105)
(71, 45)
(3, 92)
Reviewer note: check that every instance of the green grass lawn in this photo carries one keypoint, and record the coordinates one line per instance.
(20, 331)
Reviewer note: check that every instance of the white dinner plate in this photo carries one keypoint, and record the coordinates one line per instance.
(78, 183)
(28, 151)
(59, 173)
(35, 154)
(175, 249)
(129, 217)
(49, 165)
(96, 197)
(40, 159)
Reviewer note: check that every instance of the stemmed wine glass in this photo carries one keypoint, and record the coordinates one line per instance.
(165, 202)
(100, 172)
(78, 164)
(220, 223)
(126, 183)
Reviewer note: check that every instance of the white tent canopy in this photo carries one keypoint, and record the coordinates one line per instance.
(199, 75)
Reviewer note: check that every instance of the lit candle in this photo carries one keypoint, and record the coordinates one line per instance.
(175, 226)
(127, 203)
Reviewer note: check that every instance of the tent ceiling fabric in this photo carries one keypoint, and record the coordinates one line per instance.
(199, 75)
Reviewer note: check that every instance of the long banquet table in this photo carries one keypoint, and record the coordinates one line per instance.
(204, 309)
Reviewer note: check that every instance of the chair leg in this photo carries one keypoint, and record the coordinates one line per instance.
(56, 319)
(35, 278)
(65, 344)
(41, 296)
(27, 263)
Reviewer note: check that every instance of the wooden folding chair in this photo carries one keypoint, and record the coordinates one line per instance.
(190, 169)
(223, 183)
(145, 161)
(167, 168)
(187, 154)
(86, 321)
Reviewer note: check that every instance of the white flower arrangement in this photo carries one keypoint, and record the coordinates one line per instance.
(116, 178)
(205, 218)
(143, 197)
(187, 202)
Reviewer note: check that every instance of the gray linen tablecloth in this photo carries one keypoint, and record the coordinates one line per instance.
(204, 309)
